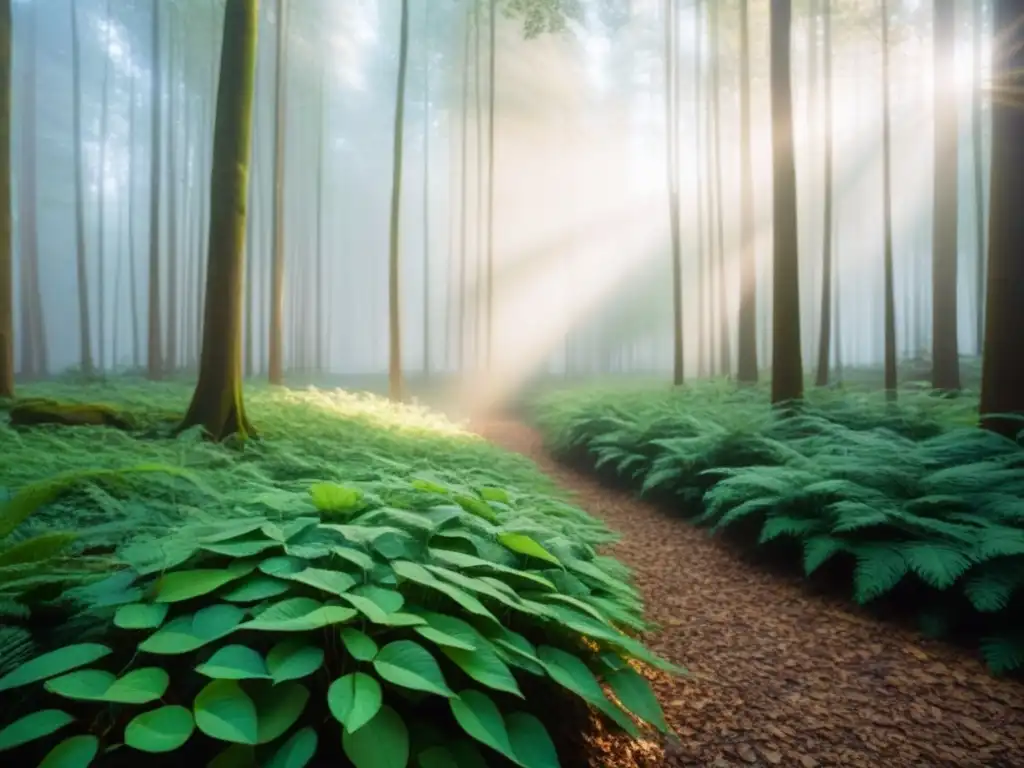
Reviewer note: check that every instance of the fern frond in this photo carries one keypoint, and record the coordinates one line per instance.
(818, 550)
(938, 565)
(784, 525)
(1004, 653)
(880, 567)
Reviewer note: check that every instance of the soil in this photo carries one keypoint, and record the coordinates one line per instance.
(780, 676)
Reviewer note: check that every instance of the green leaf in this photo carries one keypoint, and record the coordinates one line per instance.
(81, 684)
(294, 659)
(296, 752)
(360, 645)
(381, 743)
(141, 615)
(292, 528)
(298, 614)
(73, 752)
(389, 600)
(491, 493)
(53, 663)
(234, 662)
(224, 711)
(572, 674)
(235, 756)
(33, 726)
(484, 666)
(192, 631)
(449, 631)
(635, 694)
(161, 730)
(530, 741)
(232, 530)
(328, 497)
(241, 548)
(184, 585)
(357, 557)
(140, 686)
(480, 718)
(259, 586)
(354, 700)
(332, 582)
(476, 507)
(524, 545)
(283, 566)
(278, 708)
(410, 665)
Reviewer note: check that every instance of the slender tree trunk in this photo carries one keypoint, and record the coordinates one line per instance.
(101, 195)
(463, 203)
(724, 342)
(492, 88)
(154, 350)
(133, 285)
(702, 332)
(747, 352)
(977, 131)
(173, 257)
(318, 288)
(890, 288)
(1002, 382)
(395, 384)
(115, 330)
(426, 190)
(480, 308)
(825, 335)
(6, 213)
(672, 166)
(81, 260)
(277, 277)
(945, 350)
(787, 366)
(217, 403)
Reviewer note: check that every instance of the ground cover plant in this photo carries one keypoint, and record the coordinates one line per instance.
(369, 585)
(908, 503)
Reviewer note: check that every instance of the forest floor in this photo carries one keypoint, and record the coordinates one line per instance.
(780, 676)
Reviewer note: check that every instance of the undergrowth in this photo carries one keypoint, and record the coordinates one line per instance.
(908, 503)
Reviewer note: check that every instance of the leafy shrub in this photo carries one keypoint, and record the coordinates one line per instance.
(411, 631)
(914, 503)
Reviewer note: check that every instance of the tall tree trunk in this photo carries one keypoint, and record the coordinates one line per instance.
(977, 132)
(787, 365)
(1002, 381)
(825, 333)
(395, 384)
(890, 288)
(115, 330)
(491, 91)
(101, 223)
(478, 335)
(154, 346)
(747, 332)
(463, 203)
(276, 340)
(724, 343)
(698, 59)
(173, 171)
(319, 287)
(133, 285)
(426, 190)
(6, 213)
(945, 350)
(217, 403)
(672, 165)
(81, 261)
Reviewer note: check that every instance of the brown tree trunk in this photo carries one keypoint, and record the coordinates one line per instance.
(979, 159)
(395, 384)
(747, 332)
(81, 261)
(217, 403)
(275, 363)
(891, 382)
(825, 337)
(787, 365)
(672, 163)
(1002, 382)
(724, 341)
(173, 172)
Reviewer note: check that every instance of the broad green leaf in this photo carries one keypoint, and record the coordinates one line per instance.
(256, 587)
(160, 730)
(224, 711)
(296, 752)
(435, 757)
(354, 700)
(524, 545)
(530, 741)
(503, 593)
(477, 507)
(381, 743)
(294, 659)
(367, 607)
(464, 562)
(81, 684)
(283, 566)
(357, 557)
(401, 620)
(299, 614)
(192, 631)
(360, 645)
(491, 493)
(329, 497)
(635, 694)
(332, 582)
(234, 662)
(286, 531)
(176, 586)
(53, 663)
(140, 686)
(73, 752)
(410, 665)
(416, 573)
(232, 530)
(141, 615)
(389, 600)
(484, 666)
(571, 673)
(241, 548)
(449, 631)
(480, 718)
(278, 708)
(33, 726)
(235, 756)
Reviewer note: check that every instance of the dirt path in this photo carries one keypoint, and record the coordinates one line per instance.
(781, 677)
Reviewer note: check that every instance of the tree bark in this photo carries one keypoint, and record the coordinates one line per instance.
(747, 332)
(672, 168)
(426, 191)
(979, 160)
(721, 299)
(81, 261)
(889, 289)
(787, 365)
(154, 346)
(6, 228)
(217, 403)
(275, 363)
(101, 247)
(463, 203)
(395, 383)
(1002, 382)
(825, 337)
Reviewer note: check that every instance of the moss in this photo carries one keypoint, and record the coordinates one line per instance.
(30, 413)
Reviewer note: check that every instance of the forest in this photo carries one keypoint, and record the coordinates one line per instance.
(538, 383)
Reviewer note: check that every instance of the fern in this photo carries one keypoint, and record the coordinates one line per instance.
(938, 565)
(783, 525)
(818, 550)
(1004, 652)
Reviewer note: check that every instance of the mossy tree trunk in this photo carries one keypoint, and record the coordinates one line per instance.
(275, 349)
(217, 403)
(787, 365)
(889, 286)
(1002, 381)
(6, 230)
(747, 333)
(395, 384)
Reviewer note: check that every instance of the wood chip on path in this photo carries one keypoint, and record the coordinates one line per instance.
(780, 676)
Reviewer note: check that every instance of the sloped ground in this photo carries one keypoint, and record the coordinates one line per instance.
(779, 676)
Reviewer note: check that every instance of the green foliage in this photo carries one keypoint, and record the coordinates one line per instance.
(378, 618)
(904, 498)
